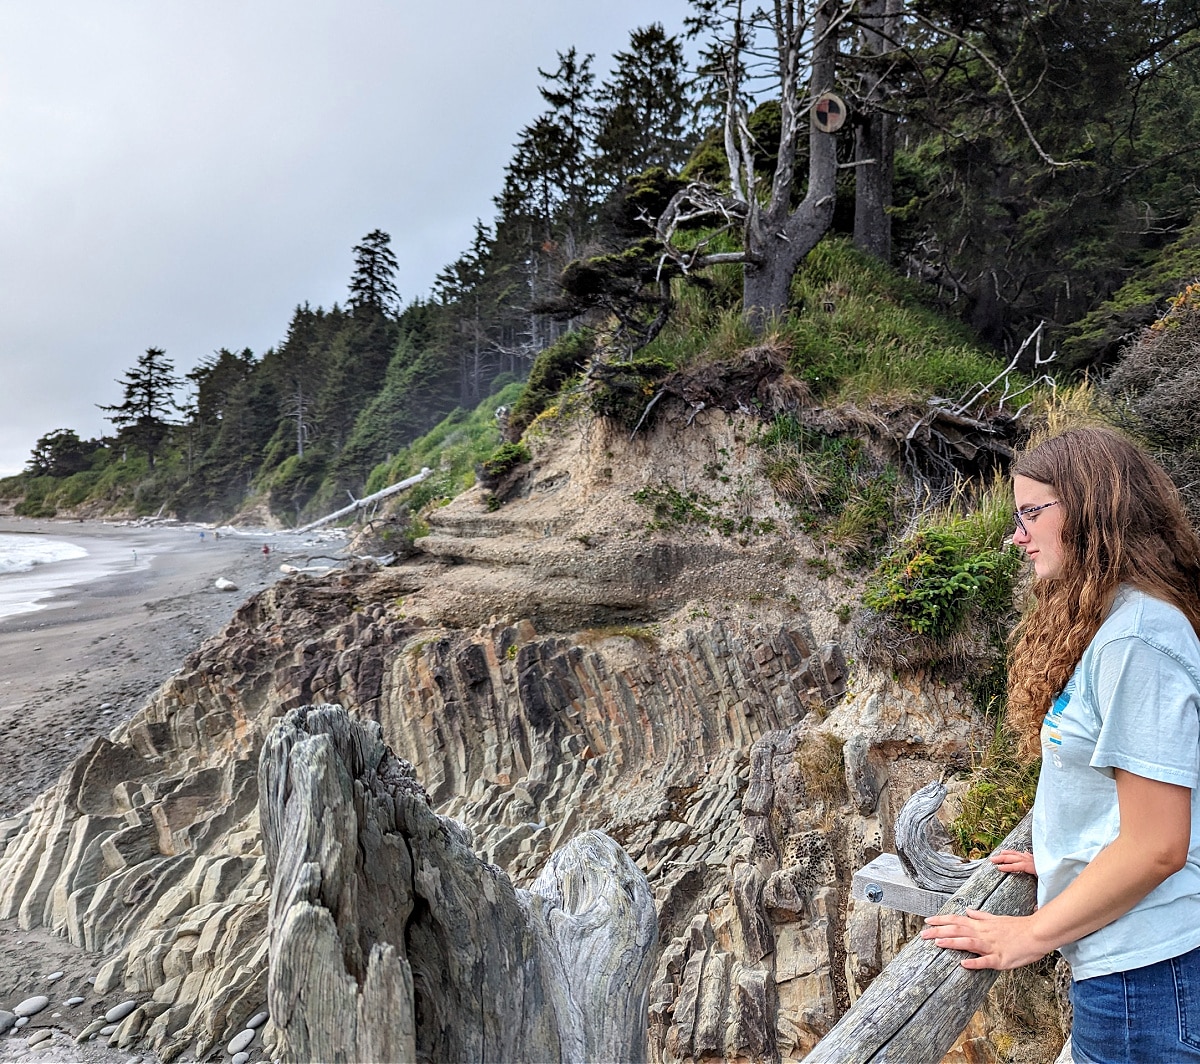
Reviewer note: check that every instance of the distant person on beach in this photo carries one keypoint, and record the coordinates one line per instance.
(266, 550)
(1104, 682)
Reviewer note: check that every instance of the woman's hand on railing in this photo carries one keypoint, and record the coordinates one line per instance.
(1014, 861)
(1001, 942)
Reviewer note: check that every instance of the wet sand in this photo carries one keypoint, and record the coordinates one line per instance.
(97, 650)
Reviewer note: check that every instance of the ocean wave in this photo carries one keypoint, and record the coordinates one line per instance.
(19, 553)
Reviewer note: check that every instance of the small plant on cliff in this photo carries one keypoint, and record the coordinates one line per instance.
(561, 361)
(838, 489)
(943, 598)
(505, 458)
(822, 770)
(1000, 792)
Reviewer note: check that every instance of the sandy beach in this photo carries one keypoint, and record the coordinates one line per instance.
(120, 623)
(111, 627)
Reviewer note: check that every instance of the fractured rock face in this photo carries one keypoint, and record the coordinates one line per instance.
(715, 746)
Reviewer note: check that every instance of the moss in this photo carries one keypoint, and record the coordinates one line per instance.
(555, 366)
(623, 390)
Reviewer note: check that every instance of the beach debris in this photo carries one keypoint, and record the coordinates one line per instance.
(31, 1006)
(222, 584)
(241, 1040)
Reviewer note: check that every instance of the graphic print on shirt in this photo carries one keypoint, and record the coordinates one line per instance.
(1051, 726)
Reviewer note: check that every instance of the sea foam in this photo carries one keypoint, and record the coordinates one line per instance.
(20, 552)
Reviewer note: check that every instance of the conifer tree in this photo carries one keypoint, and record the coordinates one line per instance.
(641, 119)
(143, 417)
(373, 282)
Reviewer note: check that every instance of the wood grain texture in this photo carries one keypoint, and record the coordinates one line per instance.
(916, 1007)
(391, 940)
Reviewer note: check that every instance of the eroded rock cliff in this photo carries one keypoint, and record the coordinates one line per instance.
(548, 667)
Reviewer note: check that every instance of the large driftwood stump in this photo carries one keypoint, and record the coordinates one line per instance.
(920, 1003)
(391, 940)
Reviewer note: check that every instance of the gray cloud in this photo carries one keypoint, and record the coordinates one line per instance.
(182, 175)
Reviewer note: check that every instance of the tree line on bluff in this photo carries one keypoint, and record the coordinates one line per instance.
(1033, 162)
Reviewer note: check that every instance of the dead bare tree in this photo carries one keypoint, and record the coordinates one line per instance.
(775, 237)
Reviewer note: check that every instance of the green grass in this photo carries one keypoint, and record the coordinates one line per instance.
(956, 566)
(1000, 793)
(839, 492)
(860, 331)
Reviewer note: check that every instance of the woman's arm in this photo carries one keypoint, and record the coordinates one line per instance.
(1152, 844)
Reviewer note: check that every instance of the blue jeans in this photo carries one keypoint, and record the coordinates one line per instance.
(1147, 1015)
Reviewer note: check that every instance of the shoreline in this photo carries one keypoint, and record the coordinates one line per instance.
(111, 631)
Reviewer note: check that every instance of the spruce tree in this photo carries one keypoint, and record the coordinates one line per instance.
(373, 282)
(143, 417)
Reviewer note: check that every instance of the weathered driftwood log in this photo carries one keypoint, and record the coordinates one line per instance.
(391, 940)
(930, 867)
(917, 1006)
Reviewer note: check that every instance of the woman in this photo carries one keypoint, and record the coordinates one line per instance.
(1105, 681)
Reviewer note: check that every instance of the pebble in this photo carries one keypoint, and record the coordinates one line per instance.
(242, 1040)
(40, 1037)
(106, 705)
(89, 1030)
(21, 1021)
(108, 1029)
(54, 977)
(7, 1019)
(32, 1005)
(119, 1012)
(257, 1020)
(240, 1058)
(71, 1002)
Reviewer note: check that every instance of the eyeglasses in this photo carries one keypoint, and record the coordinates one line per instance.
(1029, 511)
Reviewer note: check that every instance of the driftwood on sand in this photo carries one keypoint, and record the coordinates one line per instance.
(391, 940)
(366, 500)
(920, 1003)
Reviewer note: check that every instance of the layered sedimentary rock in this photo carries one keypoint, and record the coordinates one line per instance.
(668, 691)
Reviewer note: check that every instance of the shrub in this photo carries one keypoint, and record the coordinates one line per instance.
(561, 361)
(505, 458)
(943, 597)
(931, 582)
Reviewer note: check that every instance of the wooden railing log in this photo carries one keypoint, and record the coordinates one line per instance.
(917, 1006)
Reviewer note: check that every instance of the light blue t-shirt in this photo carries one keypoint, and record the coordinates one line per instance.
(1132, 703)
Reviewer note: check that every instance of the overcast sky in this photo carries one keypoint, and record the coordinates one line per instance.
(182, 174)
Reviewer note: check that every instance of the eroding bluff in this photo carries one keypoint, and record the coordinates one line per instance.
(715, 754)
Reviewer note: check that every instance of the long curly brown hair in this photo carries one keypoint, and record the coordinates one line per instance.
(1123, 523)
